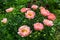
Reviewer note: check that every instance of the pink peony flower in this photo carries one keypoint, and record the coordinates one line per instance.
(4, 20)
(24, 9)
(44, 12)
(52, 17)
(30, 14)
(9, 9)
(48, 22)
(34, 7)
(24, 31)
(38, 26)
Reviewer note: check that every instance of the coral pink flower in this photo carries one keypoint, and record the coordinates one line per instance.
(52, 17)
(34, 7)
(4, 20)
(30, 14)
(9, 9)
(44, 11)
(48, 22)
(24, 31)
(38, 26)
(24, 9)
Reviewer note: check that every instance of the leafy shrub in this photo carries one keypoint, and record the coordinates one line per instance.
(16, 19)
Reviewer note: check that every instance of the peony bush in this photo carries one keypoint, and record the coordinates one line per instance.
(28, 20)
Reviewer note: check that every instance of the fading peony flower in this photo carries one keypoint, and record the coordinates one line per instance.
(44, 11)
(24, 10)
(52, 17)
(4, 20)
(9, 9)
(34, 7)
(38, 26)
(24, 31)
(30, 14)
(48, 22)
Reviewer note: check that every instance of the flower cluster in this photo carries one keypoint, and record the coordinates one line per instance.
(45, 12)
(25, 30)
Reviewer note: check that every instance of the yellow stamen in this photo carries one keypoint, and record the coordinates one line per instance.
(30, 14)
(24, 30)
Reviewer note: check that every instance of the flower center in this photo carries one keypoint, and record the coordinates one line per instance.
(30, 14)
(24, 30)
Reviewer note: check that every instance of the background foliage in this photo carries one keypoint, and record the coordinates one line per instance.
(16, 19)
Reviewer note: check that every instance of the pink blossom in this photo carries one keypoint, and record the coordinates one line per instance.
(24, 10)
(4, 20)
(52, 17)
(48, 22)
(34, 7)
(24, 31)
(9, 9)
(38, 26)
(30, 14)
(44, 11)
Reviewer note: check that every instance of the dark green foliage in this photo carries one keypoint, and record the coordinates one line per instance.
(16, 19)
